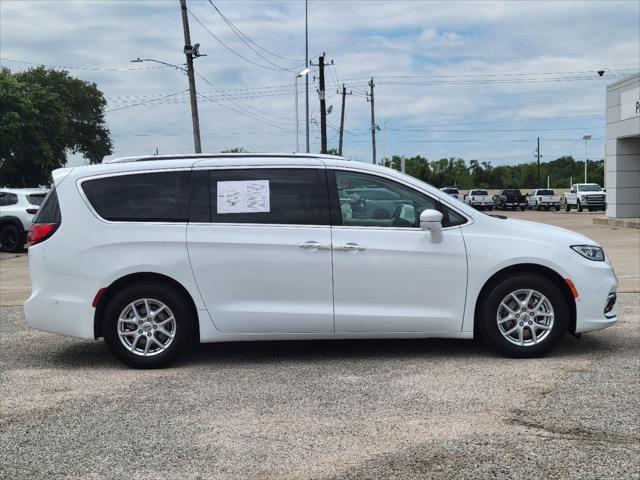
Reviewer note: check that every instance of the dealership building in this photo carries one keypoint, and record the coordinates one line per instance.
(622, 151)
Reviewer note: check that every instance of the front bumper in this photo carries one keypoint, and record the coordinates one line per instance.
(595, 281)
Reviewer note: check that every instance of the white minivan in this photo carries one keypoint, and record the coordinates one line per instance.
(152, 253)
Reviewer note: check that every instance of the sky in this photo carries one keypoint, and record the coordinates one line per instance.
(472, 79)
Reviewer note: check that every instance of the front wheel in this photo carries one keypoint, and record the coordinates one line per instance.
(524, 316)
(579, 206)
(567, 207)
(147, 325)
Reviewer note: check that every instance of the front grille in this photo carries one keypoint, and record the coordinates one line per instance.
(611, 301)
(595, 199)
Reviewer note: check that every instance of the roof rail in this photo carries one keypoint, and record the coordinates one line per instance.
(220, 155)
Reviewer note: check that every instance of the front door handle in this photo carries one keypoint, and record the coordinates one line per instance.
(350, 247)
(313, 245)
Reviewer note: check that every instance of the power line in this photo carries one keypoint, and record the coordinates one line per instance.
(233, 51)
(248, 40)
(99, 69)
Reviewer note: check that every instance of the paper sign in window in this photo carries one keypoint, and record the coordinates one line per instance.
(246, 196)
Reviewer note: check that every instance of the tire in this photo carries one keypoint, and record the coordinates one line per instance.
(490, 208)
(579, 206)
(553, 301)
(12, 238)
(155, 294)
(522, 208)
(557, 207)
(567, 207)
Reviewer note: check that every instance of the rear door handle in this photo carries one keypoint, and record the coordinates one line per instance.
(313, 245)
(350, 247)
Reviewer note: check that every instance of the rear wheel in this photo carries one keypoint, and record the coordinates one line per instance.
(147, 325)
(557, 207)
(11, 238)
(524, 316)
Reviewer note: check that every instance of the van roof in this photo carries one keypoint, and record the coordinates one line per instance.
(199, 156)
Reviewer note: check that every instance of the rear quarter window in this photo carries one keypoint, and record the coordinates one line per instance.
(36, 198)
(49, 211)
(141, 197)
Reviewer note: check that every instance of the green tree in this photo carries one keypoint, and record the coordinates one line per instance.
(44, 114)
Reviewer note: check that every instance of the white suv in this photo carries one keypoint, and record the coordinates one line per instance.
(18, 206)
(152, 253)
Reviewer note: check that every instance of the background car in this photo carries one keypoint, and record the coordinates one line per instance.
(544, 198)
(479, 199)
(453, 191)
(586, 195)
(509, 198)
(17, 209)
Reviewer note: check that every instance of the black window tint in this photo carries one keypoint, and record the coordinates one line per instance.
(141, 197)
(199, 211)
(545, 192)
(296, 196)
(49, 211)
(9, 199)
(36, 198)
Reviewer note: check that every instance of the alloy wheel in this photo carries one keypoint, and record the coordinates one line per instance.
(146, 327)
(525, 317)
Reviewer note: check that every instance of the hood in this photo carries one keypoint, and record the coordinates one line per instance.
(543, 232)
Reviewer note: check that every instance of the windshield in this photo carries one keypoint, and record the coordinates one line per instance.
(36, 198)
(479, 192)
(545, 192)
(591, 187)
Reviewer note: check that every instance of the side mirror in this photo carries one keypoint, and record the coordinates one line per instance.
(431, 220)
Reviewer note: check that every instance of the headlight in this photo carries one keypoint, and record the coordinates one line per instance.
(590, 252)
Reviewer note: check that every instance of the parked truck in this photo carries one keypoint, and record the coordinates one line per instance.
(509, 198)
(586, 195)
(544, 198)
(479, 199)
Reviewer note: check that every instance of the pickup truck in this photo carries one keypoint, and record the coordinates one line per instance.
(453, 191)
(509, 198)
(479, 199)
(586, 195)
(544, 198)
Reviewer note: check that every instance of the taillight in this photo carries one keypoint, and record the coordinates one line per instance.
(39, 232)
(32, 211)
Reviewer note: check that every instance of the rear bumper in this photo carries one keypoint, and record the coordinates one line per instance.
(59, 303)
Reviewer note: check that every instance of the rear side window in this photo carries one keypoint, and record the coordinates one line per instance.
(36, 198)
(284, 196)
(141, 197)
(7, 199)
(49, 211)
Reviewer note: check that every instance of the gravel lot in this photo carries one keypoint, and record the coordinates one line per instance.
(322, 410)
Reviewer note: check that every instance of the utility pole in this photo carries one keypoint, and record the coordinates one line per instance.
(189, 51)
(344, 94)
(537, 154)
(370, 98)
(306, 65)
(323, 105)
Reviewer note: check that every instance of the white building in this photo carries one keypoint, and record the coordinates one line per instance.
(622, 160)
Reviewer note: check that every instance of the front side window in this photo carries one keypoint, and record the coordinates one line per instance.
(285, 196)
(141, 197)
(400, 207)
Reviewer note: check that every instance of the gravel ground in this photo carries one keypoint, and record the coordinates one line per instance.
(322, 410)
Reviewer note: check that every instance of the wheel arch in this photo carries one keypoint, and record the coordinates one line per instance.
(10, 219)
(139, 277)
(525, 268)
